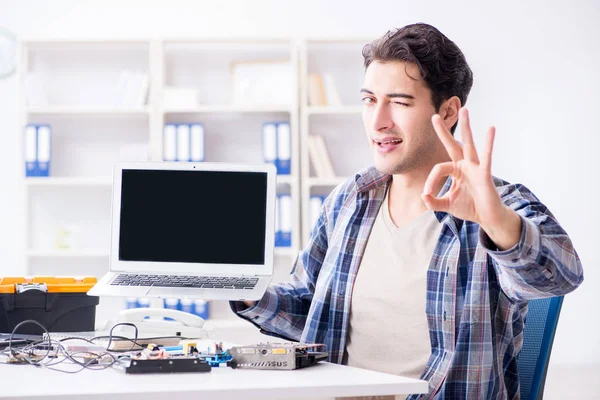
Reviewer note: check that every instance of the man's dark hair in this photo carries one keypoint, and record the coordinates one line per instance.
(442, 65)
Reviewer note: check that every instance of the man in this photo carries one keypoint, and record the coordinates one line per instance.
(423, 264)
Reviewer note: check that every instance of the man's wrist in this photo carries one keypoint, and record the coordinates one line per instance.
(249, 303)
(505, 231)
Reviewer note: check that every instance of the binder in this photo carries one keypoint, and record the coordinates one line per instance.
(201, 308)
(30, 146)
(277, 221)
(43, 150)
(270, 143)
(284, 148)
(285, 204)
(183, 142)
(197, 142)
(315, 204)
(143, 302)
(186, 305)
(169, 142)
(172, 304)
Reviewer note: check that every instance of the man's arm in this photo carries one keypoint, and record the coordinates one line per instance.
(284, 307)
(532, 255)
(543, 262)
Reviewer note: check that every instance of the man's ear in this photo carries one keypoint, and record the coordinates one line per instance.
(449, 111)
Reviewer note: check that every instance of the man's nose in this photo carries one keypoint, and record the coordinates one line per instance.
(382, 118)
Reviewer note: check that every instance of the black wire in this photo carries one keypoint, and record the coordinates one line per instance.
(110, 339)
(67, 356)
(30, 321)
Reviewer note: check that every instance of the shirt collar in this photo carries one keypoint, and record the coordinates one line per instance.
(370, 178)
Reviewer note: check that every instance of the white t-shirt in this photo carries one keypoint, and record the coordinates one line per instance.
(388, 329)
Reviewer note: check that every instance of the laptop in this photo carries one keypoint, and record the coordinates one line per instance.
(195, 230)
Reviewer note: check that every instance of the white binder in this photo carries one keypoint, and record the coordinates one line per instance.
(183, 142)
(197, 142)
(169, 142)
(43, 150)
(30, 150)
(270, 143)
(284, 148)
(285, 204)
(278, 221)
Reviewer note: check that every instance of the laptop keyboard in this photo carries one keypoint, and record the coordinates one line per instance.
(216, 282)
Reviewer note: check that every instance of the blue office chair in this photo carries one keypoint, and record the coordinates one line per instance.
(538, 336)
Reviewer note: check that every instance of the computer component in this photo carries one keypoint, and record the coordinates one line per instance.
(285, 356)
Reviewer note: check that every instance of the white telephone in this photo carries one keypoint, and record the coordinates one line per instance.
(183, 324)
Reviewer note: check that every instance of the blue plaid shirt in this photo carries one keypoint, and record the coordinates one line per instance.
(476, 295)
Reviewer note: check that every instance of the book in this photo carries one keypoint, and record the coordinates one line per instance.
(316, 90)
(319, 157)
(331, 94)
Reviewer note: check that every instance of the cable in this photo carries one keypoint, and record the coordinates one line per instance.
(29, 321)
(124, 324)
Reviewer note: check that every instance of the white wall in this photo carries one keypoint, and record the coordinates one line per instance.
(536, 79)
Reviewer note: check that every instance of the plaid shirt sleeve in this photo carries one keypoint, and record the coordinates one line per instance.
(544, 262)
(283, 309)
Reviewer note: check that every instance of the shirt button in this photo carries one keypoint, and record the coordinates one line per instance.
(255, 317)
(515, 260)
(529, 252)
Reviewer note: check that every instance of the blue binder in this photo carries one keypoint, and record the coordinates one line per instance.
(269, 142)
(183, 142)
(277, 222)
(284, 148)
(44, 145)
(169, 142)
(196, 142)
(285, 218)
(30, 147)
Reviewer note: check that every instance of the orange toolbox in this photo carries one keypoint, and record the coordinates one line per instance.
(60, 304)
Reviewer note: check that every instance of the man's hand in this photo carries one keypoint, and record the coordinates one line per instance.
(249, 303)
(472, 196)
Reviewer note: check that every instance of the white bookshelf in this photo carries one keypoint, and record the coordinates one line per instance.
(91, 130)
(90, 133)
(66, 253)
(86, 111)
(69, 182)
(340, 125)
(332, 110)
(233, 109)
(233, 132)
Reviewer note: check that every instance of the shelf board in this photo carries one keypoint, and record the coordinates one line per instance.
(336, 180)
(71, 182)
(86, 111)
(67, 253)
(327, 110)
(285, 252)
(285, 179)
(228, 109)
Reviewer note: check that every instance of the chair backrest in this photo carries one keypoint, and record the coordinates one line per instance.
(538, 336)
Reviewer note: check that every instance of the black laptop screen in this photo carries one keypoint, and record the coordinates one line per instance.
(212, 217)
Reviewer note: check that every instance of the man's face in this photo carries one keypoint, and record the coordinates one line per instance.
(397, 116)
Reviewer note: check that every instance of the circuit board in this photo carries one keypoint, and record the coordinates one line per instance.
(286, 356)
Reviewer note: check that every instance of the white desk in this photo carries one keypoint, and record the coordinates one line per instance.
(321, 380)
